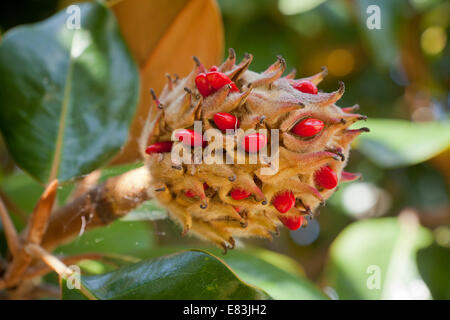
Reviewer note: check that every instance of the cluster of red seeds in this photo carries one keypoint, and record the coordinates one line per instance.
(212, 81)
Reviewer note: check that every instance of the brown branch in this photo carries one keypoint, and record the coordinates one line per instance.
(98, 207)
(10, 231)
(85, 184)
(33, 234)
(57, 265)
(42, 270)
(37, 225)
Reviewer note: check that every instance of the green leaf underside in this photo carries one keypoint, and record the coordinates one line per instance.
(397, 143)
(187, 275)
(383, 249)
(67, 95)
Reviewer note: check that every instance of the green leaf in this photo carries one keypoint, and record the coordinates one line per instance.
(186, 275)
(281, 277)
(434, 264)
(381, 43)
(131, 238)
(376, 259)
(278, 275)
(397, 143)
(67, 95)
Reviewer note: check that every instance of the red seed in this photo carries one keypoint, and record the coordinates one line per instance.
(284, 201)
(306, 87)
(237, 209)
(326, 178)
(218, 79)
(214, 68)
(254, 142)
(159, 147)
(225, 121)
(292, 222)
(203, 85)
(190, 193)
(239, 194)
(189, 137)
(308, 127)
(205, 186)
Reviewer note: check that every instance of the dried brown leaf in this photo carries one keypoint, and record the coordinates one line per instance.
(163, 36)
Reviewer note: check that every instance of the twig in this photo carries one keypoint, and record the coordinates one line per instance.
(33, 234)
(57, 265)
(10, 231)
(43, 270)
(41, 214)
(99, 206)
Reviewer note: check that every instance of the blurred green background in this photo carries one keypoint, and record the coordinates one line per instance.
(397, 218)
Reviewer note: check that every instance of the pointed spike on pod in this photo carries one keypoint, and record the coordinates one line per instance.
(306, 87)
(231, 53)
(292, 222)
(226, 121)
(239, 194)
(349, 176)
(189, 137)
(326, 178)
(191, 193)
(200, 66)
(291, 75)
(318, 77)
(155, 98)
(253, 142)
(232, 243)
(159, 147)
(189, 94)
(338, 152)
(308, 127)
(284, 201)
(169, 81)
(351, 109)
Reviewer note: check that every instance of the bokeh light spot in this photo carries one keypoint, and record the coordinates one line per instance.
(306, 234)
(433, 40)
(340, 62)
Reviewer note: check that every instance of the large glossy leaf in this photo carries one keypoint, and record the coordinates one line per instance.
(164, 35)
(185, 275)
(280, 276)
(396, 143)
(67, 94)
(434, 266)
(376, 259)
